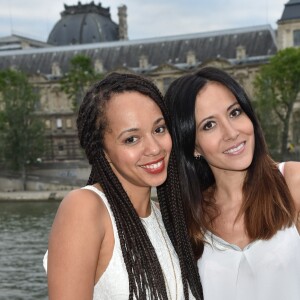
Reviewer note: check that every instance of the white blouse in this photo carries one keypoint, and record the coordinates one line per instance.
(263, 270)
(114, 283)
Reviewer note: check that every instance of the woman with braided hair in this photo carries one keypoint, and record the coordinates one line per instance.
(109, 240)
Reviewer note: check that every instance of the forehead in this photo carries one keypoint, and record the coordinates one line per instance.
(130, 109)
(214, 96)
(130, 101)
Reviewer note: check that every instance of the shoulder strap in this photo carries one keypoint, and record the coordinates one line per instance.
(281, 167)
(105, 201)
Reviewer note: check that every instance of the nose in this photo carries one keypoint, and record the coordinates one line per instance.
(152, 146)
(230, 132)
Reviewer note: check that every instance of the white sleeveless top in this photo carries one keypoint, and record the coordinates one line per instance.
(114, 284)
(264, 270)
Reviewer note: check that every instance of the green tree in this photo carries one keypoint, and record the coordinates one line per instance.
(80, 76)
(277, 86)
(21, 131)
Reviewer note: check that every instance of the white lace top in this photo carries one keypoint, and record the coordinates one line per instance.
(264, 270)
(113, 284)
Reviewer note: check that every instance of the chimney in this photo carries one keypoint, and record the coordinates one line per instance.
(55, 69)
(191, 58)
(240, 52)
(143, 62)
(122, 13)
(98, 66)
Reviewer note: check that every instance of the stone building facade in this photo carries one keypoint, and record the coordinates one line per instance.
(239, 51)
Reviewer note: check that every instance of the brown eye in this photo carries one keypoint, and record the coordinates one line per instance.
(209, 125)
(131, 140)
(161, 129)
(235, 112)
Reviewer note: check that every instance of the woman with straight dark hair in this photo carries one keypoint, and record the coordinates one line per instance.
(109, 240)
(242, 208)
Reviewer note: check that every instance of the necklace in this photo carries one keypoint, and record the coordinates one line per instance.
(170, 255)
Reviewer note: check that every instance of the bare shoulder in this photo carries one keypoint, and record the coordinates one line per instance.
(75, 241)
(80, 210)
(81, 202)
(292, 177)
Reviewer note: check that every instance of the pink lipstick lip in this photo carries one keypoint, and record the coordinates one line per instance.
(227, 151)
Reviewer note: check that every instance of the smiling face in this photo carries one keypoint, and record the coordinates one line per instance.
(136, 140)
(224, 133)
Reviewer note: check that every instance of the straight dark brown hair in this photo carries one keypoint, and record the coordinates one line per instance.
(267, 203)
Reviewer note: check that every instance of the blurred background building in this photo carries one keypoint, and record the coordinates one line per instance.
(88, 29)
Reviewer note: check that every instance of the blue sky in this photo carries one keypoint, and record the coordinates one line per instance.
(36, 18)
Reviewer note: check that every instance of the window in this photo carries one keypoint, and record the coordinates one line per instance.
(58, 123)
(167, 81)
(47, 124)
(61, 147)
(69, 123)
(296, 37)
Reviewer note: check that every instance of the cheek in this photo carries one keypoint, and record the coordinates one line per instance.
(204, 144)
(248, 126)
(168, 143)
(249, 129)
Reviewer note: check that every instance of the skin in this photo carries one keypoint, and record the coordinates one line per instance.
(292, 177)
(81, 241)
(225, 138)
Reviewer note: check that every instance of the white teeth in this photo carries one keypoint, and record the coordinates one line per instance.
(239, 147)
(153, 166)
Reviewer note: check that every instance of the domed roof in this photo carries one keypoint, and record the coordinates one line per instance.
(83, 24)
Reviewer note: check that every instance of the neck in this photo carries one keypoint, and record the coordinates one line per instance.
(229, 187)
(140, 199)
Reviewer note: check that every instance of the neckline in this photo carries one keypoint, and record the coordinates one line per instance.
(151, 216)
(211, 237)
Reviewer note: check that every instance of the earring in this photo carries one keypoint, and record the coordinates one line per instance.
(198, 156)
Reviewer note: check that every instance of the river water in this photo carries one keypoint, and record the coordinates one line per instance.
(24, 229)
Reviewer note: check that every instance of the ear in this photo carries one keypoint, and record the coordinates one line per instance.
(197, 153)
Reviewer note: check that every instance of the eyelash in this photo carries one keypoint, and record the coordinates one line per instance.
(129, 140)
(133, 139)
(237, 109)
(164, 127)
(205, 126)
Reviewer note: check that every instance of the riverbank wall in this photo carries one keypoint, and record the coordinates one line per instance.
(48, 182)
(33, 195)
(44, 182)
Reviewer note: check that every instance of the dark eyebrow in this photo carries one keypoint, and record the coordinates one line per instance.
(232, 105)
(210, 117)
(137, 129)
(158, 120)
(126, 131)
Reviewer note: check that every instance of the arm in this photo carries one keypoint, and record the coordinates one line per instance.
(74, 245)
(292, 177)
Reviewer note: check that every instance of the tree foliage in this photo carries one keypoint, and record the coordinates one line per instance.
(277, 87)
(21, 131)
(80, 76)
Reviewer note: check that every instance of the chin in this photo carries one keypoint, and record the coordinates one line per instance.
(158, 181)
